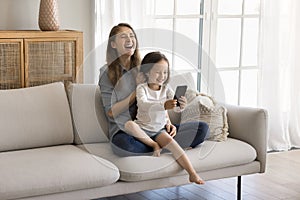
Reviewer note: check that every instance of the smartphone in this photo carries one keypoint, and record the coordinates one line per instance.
(180, 91)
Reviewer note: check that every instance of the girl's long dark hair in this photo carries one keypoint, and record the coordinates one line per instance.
(112, 57)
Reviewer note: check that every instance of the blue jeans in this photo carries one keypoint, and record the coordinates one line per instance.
(189, 134)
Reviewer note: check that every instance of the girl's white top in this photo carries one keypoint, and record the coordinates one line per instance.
(151, 114)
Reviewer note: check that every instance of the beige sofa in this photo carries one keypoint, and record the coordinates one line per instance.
(55, 146)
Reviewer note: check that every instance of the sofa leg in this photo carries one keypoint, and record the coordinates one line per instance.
(239, 188)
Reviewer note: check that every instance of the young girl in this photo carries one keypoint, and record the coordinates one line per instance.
(154, 98)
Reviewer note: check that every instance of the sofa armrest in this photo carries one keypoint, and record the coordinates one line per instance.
(250, 125)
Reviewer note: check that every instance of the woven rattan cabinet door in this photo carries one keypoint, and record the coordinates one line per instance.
(30, 58)
(49, 60)
(11, 64)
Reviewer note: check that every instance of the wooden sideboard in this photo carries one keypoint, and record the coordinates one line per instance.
(30, 58)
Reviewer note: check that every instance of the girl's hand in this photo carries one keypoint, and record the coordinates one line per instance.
(171, 129)
(182, 100)
(170, 104)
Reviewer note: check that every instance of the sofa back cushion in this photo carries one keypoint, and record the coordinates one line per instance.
(34, 117)
(89, 119)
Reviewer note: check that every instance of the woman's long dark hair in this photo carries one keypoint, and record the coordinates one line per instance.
(150, 60)
(112, 57)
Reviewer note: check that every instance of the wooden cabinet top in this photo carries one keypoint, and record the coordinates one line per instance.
(6, 34)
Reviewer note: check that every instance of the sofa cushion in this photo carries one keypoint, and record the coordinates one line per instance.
(35, 117)
(208, 156)
(52, 170)
(201, 107)
(89, 119)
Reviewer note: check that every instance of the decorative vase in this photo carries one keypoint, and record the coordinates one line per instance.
(48, 15)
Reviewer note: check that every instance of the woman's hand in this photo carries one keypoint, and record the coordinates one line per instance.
(140, 78)
(171, 129)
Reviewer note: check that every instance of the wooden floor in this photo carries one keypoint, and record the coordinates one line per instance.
(281, 181)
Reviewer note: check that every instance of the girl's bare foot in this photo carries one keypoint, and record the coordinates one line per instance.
(195, 178)
(156, 150)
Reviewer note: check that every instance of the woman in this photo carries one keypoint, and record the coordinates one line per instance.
(118, 80)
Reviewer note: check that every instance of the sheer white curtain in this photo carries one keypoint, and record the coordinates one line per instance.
(111, 12)
(280, 63)
(108, 13)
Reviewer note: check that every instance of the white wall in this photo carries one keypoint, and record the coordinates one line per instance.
(74, 14)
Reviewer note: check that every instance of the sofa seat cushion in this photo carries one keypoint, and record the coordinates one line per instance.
(209, 155)
(52, 170)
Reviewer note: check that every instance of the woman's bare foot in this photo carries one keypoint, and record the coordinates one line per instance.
(156, 150)
(195, 178)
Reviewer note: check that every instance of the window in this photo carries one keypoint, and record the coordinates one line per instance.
(233, 50)
(185, 22)
(215, 40)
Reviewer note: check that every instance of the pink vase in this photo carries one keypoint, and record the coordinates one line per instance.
(48, 15)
